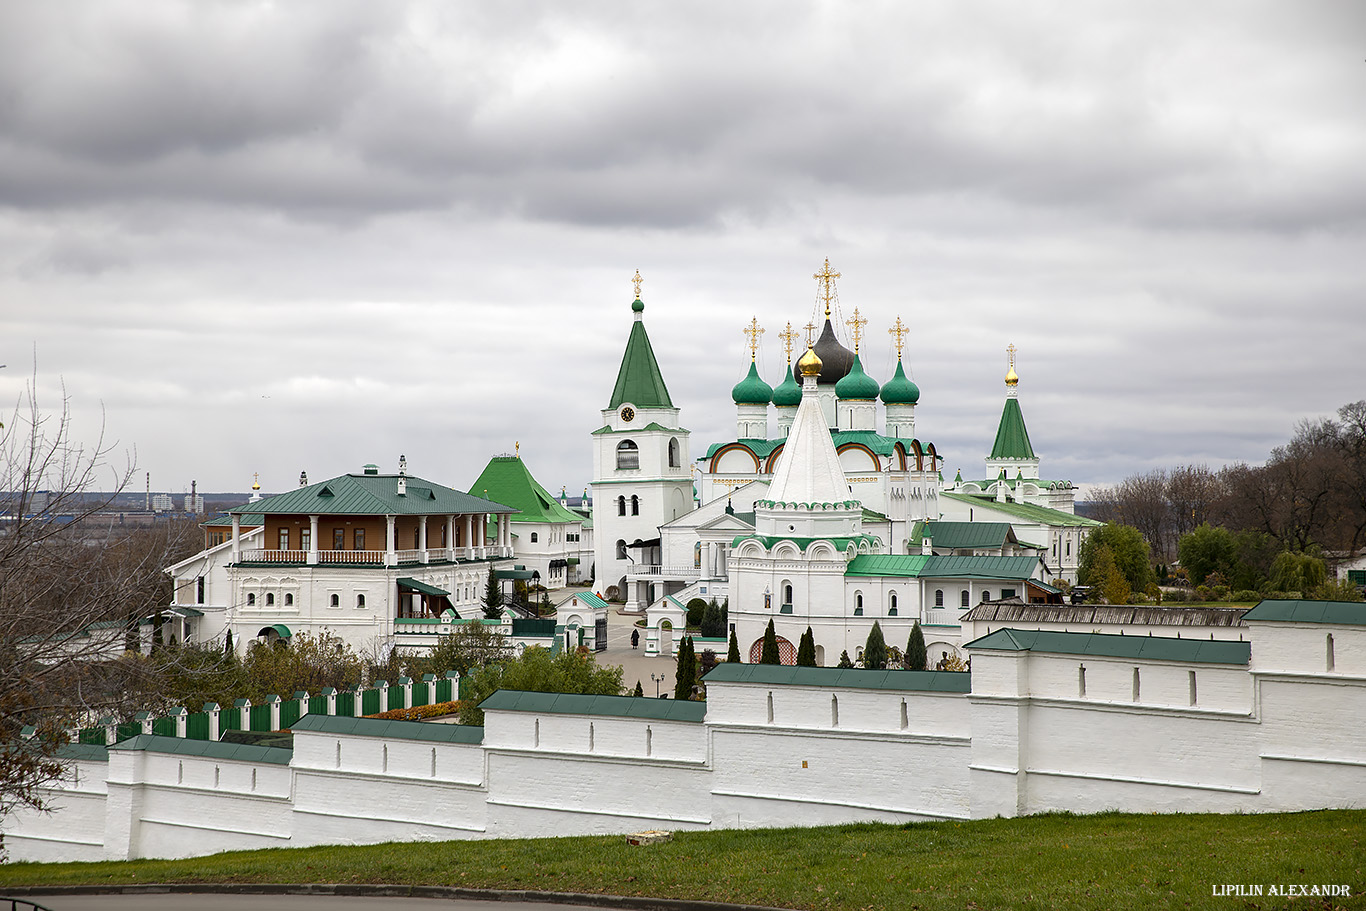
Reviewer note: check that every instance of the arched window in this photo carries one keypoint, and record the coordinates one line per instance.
(628, 455)
(673, 453)
(360, 600)
(533, 537)
(336, 600)
(635, 505)
(621, 549)
(251, 600)
(289, 600)
(891, 600)
(621, 506)
(787, 592)
(270, 599)
(986, 596)
(963, 598)
(858, 600)
(939, 597)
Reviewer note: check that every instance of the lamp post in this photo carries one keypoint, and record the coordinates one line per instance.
(657, 678)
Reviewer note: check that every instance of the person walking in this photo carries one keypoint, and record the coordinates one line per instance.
(635, 638)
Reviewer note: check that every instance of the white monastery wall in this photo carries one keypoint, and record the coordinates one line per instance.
(74, 830)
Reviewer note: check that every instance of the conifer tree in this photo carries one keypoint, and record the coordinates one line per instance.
(806, 651)
(844, 660)
(875, 649)
(733, 653)
(917, 659)
(639, 691)
(686, 676)
(493, 598)
(227, 643)
(770, 654)
(712, 627)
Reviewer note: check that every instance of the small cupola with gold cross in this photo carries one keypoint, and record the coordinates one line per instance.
(752, 395)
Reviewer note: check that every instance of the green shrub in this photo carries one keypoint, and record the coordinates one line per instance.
(1175, 595)
(1219, 592)
(1202, 593)
(1245, 595)
(697, 608)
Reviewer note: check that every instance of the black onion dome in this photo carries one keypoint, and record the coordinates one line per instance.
(836, 360)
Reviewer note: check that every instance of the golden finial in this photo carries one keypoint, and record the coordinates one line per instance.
(810, 363)
(898, 332)
(856, 328)
(1012, 378)
(637, 280)
(787, 335)
(810, 334)
(753, 330)
(517, 449)
(256, 480)
(826, 278)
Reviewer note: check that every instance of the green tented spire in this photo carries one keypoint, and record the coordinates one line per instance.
(639, 380)
(1012, 439)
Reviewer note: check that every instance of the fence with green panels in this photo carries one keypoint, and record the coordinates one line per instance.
(277, 714)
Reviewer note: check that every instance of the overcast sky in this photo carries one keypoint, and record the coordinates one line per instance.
(266, 237)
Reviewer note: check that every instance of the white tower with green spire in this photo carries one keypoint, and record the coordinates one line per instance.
(1011, 452)
(641, 478)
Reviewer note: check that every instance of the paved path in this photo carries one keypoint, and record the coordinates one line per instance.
(215, 902)
(635, 666)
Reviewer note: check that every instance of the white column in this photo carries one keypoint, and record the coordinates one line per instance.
(422, 537)
(469, 535)
(390, 558)
(312, 540)
(236, 538)
(711, 560)
(450, 536)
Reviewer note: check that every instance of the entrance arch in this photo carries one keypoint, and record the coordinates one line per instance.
(666, 637)
(787, 653)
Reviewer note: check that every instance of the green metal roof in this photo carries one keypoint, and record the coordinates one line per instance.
(840, 544)
(927, 566)
(1027, 512)
(955, 535)
(90, 752)
(372, 495)
(900, 390)
(906, 681)
(575, 704)
(639, 380)
(1105, 645)
(1338, 613)
(248, 520)
(390, 730)
(856, 384)
(752, 390)
(788, 393)
(239, 752)
(591, 599)
(883, 446)
(1012, 439)
(505, 479)
(421, 587)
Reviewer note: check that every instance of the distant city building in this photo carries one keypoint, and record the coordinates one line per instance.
(163, 502)
(194, 504)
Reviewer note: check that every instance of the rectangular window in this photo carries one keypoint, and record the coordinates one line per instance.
(305, 538)
(284, 539)
(339, 539)
(1007, 593)
(360, 539)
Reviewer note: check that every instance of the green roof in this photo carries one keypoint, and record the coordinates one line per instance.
(955, 535)
(639, 380)
(1338, 613)
(90, 752)
(788, 393)
(1105, 645)
(505, 479)
(372, 495)
(247, 520)
(924, 565)
(840, 544)
(421, 587)
(1027, 512)
(575, 704)
(920, 681)
(591, 600)
(239, 752)
(390, 730)
(900, 390)
(752, 390)
(883, 446)
(856, 384)
(1012, 439)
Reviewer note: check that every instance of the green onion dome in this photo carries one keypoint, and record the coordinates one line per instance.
(752, 390)
(788, 392)
(856, 384)
(638, 306)
(899, 390)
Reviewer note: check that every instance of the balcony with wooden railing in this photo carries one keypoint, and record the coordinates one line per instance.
(373, 557)
(663, 571)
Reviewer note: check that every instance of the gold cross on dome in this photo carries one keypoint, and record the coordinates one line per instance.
(1010, 350)
(856, 328)
(810, 334)
(827, 280)
(787, 335)
(637, 280)
(898, 332)
(753, 330)
(517, 448)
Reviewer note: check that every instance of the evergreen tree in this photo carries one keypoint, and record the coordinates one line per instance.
(227, 643)
(917, 659)
(733, 653)
(638, 690)
(844, 660)
(686, 676)
(493, 598)
(713, 626)
(770, 654)
(806, 651)
(875, 650)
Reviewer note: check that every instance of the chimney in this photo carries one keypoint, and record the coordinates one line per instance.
(402, 465)
(303, 479)
(402, 486)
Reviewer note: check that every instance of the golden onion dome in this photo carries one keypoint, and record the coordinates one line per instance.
(810, 364)
(1011, 378)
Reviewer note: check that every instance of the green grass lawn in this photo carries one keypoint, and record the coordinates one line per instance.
(1044, 862)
